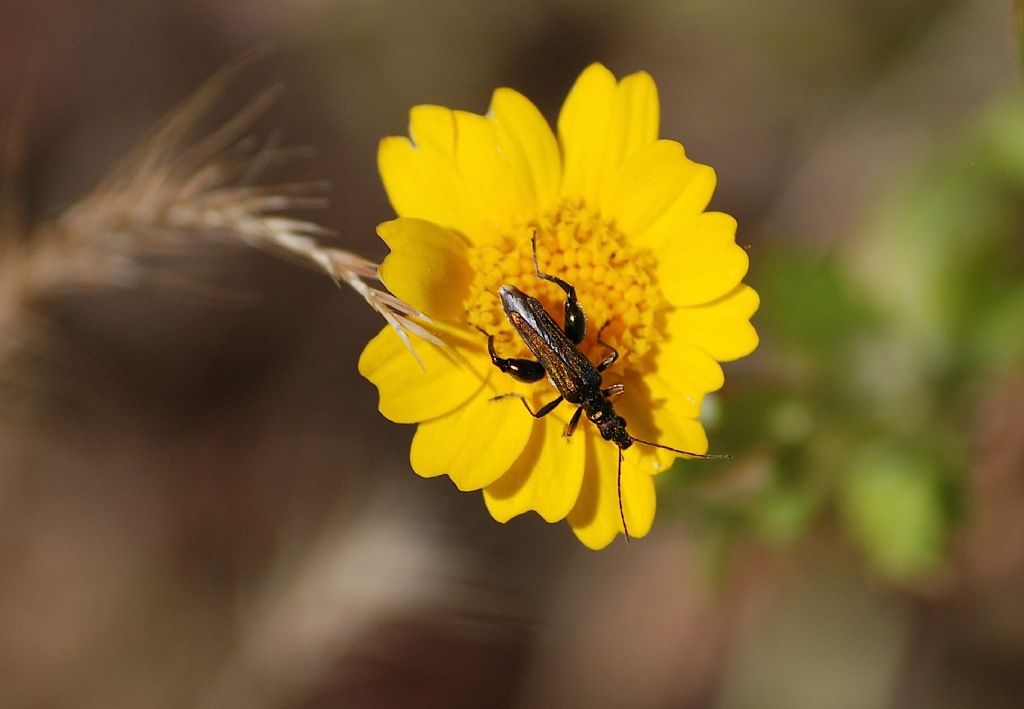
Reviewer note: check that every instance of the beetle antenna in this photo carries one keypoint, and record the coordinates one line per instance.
(712, 456)
(618, 486)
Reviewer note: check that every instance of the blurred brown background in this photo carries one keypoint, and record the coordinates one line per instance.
(200, 506)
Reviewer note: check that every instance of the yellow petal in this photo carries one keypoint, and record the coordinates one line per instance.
(702, 262)
(635, 116)
(475, 444)
(653, 180)
(659, 420)
(545, 479)
(427, 267)
(666, 392)
(721, 328)
(433, 128)
(601, 125)
(595, 519)
(409, 393)
(689, 369)
(636, 113)
(421, 176)
(583, 127)
(671, 426)
(529, 144)
(680, 432)
(475, 174)
(691, 199)
(682, 374)
(492, 184)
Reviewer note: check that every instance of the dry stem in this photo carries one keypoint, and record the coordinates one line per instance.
(169, 194)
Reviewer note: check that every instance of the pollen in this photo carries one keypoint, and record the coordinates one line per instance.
(614, 283)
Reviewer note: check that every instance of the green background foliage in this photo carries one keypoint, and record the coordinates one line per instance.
(878, 354)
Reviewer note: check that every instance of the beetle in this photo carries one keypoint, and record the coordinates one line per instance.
(559, 358)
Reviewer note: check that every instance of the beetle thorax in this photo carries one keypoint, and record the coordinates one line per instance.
(612, 426)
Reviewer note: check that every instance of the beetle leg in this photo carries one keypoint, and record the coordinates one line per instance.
(575, 327)
(613, 392)
(525, 370)
(610, 359)
(540, 413)
(573, 422)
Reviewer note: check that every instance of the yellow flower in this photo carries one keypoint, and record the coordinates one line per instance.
(617, 213)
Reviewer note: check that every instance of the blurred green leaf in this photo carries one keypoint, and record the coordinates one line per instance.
(888, 340)
(892, 505)
(999, 340)
(812, 308)
(1018, 16)
(783, 514)
(944, 252)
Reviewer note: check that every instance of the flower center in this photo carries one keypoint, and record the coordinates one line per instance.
(613, 282)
